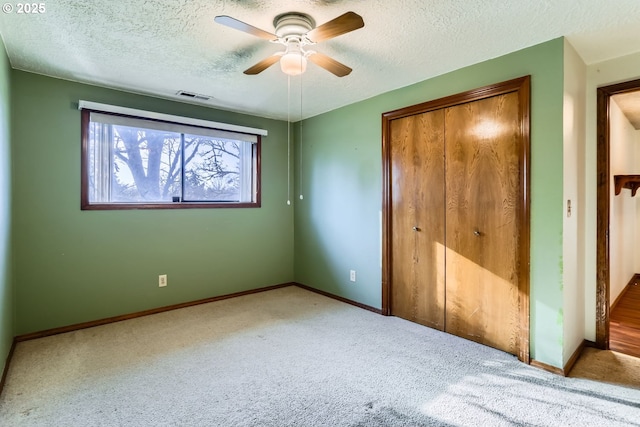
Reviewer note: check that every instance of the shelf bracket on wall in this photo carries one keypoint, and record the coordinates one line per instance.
(632, 182)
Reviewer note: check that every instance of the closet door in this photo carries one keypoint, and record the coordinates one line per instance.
(483, 140)
(417, 218)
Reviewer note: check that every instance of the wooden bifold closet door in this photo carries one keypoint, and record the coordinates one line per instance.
(417, 151)
(456, 215)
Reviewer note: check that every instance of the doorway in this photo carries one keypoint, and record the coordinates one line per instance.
(605, 317)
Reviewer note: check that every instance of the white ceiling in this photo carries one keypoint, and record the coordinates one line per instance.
(159, 47)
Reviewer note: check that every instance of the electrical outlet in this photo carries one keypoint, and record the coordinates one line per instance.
(352, 275)
(162, 280)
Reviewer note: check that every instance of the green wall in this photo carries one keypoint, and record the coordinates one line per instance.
(6, 296)
(337, 224)
(73, 266)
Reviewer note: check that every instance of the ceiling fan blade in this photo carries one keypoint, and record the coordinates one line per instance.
(329, 64)
(342, 24)
(263, 65)
(242, 26)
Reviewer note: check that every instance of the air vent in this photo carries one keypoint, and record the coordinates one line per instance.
(193, 95)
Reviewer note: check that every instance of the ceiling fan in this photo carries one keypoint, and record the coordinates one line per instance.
(295, 31)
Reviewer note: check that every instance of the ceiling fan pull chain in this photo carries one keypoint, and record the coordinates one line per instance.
(288, 140)
(300, 144)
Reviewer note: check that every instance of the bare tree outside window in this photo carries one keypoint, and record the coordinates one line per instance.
(212, 169)
(146, 165)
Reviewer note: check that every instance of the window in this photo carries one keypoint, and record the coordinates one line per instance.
(133, 162)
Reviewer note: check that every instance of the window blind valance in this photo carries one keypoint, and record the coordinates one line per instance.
(178, 128)
(163, 121)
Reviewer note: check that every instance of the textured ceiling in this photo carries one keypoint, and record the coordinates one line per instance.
(159, 47)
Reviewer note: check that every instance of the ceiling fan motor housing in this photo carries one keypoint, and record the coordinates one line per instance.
(293, 24)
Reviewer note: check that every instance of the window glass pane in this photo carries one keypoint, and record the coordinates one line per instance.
(146, 165)
(212, 169)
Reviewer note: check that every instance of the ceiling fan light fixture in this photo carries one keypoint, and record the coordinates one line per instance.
(296, 30)
(293, 63)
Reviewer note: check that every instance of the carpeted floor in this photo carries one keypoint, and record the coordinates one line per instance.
(289, 357)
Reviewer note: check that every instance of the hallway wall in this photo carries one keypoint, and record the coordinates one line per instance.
(573, 124)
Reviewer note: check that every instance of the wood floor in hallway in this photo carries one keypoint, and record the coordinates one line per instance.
(624, 329)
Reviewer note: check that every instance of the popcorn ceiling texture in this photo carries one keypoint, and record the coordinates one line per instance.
(159, 47)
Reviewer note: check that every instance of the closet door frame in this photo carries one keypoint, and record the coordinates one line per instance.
(522, 87)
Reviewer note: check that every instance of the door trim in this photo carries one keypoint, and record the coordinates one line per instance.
(603, 207)
(520, 85)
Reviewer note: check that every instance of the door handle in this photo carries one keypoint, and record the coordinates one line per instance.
(477, 233)
(415, 228)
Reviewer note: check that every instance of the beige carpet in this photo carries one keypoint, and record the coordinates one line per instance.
(608, 366)
(290, 357)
